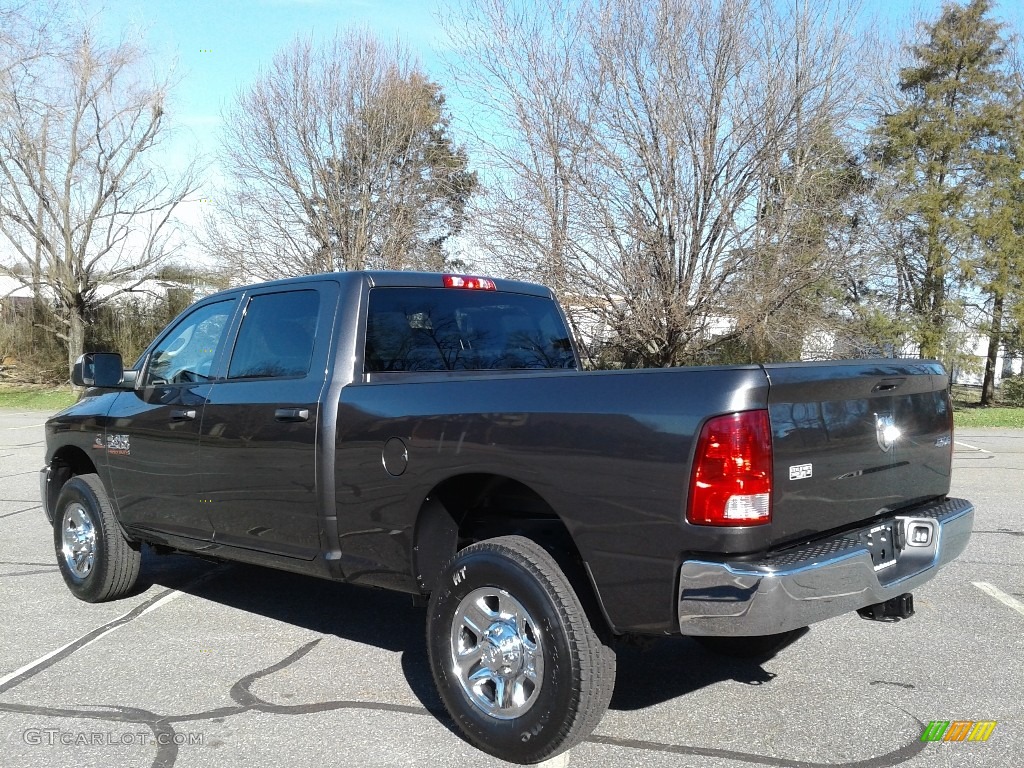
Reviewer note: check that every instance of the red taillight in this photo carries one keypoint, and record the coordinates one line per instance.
(732, 473)
(472, 283)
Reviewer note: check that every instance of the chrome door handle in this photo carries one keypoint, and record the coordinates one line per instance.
(183, 415)
(291, 414)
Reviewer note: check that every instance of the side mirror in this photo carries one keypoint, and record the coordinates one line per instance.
(98, 369)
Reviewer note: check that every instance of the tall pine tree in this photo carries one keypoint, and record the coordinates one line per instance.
(998, 223)
(930, 151)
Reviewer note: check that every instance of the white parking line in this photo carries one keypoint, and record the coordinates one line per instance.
(972, 447)
(29, 426)
(158, 604)
(34, 664)
(43, 659)
(558, 761)
(115, 623)
(1001, 596)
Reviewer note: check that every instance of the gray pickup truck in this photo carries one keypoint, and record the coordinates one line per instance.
(434, 434)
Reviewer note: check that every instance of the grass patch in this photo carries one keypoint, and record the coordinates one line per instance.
(28, 398)
(997, 416)
(967, 410)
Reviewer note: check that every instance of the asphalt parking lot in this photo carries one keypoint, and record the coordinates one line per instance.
(229, 665)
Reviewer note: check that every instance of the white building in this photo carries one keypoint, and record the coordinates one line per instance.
(13, 292)
(973, 373)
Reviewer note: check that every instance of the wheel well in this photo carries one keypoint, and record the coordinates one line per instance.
(65, 464)
(469, 508)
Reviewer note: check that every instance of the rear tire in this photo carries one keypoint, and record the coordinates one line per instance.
(95, 559)
(515, 658)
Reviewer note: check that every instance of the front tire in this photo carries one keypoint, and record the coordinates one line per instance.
(515, 658)
(95, 559)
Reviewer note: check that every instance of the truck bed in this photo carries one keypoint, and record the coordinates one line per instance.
(611, 454)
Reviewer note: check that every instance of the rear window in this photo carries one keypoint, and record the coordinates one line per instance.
(443, 329)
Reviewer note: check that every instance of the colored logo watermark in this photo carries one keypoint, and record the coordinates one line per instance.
(958, 730)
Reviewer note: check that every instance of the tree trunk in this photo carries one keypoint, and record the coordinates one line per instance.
(995, 334)
(76, 337)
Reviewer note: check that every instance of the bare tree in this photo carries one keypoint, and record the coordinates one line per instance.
(523, 73)
(674, 145)
(84, 212)
(26, 32)
(338, 157)
(27, 37)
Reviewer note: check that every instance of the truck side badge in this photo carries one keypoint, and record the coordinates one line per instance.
(119, 445)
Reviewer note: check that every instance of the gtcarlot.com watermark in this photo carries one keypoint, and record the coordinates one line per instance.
(51, 737)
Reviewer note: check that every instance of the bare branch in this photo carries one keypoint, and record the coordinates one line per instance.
(642, 148)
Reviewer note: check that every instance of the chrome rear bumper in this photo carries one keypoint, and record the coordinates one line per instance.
(812, 582)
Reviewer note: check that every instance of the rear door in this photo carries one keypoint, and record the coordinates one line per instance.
(258, 445)
(854, 440)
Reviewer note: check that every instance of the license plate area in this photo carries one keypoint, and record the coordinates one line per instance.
(885, 542)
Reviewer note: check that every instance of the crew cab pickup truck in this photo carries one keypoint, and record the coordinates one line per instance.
(435, 434)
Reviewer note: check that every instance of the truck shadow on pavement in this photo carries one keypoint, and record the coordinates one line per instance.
(669, 667)
(648, 674)
(666, 669)
(375, 617)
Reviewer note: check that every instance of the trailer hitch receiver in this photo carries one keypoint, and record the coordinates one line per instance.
(900, 607)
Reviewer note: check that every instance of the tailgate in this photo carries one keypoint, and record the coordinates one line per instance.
(854, 440)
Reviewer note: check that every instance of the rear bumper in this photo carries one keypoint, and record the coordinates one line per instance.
(829, 577)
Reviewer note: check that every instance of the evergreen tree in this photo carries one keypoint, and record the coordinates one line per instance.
(998, 222)
(930, 150)
(339, 157)
(399, 191)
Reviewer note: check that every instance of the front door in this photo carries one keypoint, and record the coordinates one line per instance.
(152, 440)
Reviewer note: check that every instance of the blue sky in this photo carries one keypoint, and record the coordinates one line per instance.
(221, 45)
(218, 46)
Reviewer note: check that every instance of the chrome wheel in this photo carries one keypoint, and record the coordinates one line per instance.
(78, 537)
(519, 666)
(496, 653)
